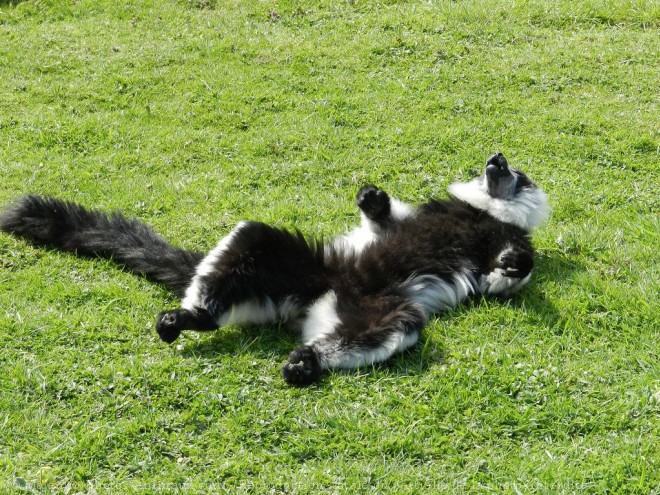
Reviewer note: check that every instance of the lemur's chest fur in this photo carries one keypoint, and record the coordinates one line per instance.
(441, 239)
(430, 259)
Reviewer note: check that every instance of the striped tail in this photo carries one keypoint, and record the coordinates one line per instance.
(131, 243)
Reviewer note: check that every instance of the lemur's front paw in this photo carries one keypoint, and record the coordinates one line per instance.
(168, 326)
(303, 367)
(374, 202)
(516, 263)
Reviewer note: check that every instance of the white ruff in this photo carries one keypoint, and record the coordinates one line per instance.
(528, 209)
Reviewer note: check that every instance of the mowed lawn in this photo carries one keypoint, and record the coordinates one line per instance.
(195, 114)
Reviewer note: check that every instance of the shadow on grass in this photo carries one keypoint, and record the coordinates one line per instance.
(557, 268)
(273, 343)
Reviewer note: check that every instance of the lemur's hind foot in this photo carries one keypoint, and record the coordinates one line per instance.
(168, 326)
(170, 323)
(303, 367)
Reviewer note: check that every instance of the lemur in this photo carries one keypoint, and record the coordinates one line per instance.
(357, 299)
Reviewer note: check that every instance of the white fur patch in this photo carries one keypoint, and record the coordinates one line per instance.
(322, 318)
(434, 294)
(400, 210)
(259, 312)
(528, 209)
(288, 309)
(357, 239)
(496, 283)
(250, 312)
(193, 297)
(333, 355)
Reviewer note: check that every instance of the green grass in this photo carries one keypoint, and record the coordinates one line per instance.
(195, 114)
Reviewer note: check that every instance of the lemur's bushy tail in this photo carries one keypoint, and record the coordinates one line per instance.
(70, 227)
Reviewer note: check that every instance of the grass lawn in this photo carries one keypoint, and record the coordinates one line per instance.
(195, 114)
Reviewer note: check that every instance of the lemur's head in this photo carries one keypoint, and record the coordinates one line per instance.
(505, 193)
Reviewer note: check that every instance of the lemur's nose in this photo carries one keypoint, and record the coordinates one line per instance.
(497, 160)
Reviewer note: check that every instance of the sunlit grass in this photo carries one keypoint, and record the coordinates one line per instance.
(196, 114)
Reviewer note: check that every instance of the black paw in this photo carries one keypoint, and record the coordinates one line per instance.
(303, 367)
(516, 263)
(374, 202)
(168, 326)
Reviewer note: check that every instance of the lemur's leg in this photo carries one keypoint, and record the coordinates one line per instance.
(348, 335)
(378, 212)
(170, 323)
(380, 209)
(257, 274)
(509, 270)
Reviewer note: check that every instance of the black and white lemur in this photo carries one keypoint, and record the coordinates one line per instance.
(357, 299)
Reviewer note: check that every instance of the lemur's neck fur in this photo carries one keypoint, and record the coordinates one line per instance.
(527, 209)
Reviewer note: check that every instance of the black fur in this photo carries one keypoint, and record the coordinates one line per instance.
(264, 261)
(71, 227)
(358, 299)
